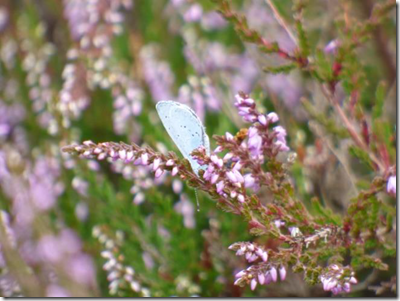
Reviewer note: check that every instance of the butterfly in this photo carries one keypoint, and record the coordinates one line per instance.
(185, 128)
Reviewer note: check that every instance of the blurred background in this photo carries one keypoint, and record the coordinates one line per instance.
(77, 70)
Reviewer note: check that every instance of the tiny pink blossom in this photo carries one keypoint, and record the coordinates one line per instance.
(273, 117)
(241, 198)
(282, 273)
(174, 171)
(253, 284)
(391, 185)
(262, 119)
(274, 274)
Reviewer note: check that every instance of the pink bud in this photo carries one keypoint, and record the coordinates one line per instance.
(228, 136)
(274, 274)
(264, 256)
(240, 274)
(273, 117)
(262, 119)
(231, 176)
(248, 101)
(220, 186)
(122, 154)
(241, 198)
(170, 162)
(282, 273)
(174, 171)
(214, 159)
(353, 280)
(248, 255)
(233, 194)
(129, 156)
(156, 163)
(238, 175)
(218, 149)
(391, 185)
(261, 278)
(159, 173)
(252, 131)
(145, 158)
(268, 278)
(214, 178)
(253, 284)
(249, 181)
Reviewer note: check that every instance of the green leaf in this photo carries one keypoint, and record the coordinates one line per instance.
(324, 66)
(361, 155)
(280, 69)
(379, 100)
(303, 40)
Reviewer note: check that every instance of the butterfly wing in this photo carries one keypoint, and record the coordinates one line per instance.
(184, 127)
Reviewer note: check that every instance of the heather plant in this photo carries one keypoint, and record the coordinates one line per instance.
(297, 197)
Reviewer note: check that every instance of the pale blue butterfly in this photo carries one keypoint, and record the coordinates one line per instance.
(186, 130)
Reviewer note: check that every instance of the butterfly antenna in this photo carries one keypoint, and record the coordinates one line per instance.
(197, 200)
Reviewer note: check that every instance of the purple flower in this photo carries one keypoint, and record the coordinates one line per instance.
(282, 273)
(331, 46)
(220, 186)
(253, 284)
(391, 185)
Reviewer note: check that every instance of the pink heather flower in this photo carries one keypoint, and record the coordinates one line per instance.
(159, 173)
(252, 131)
(218, 149)
(249, 180)
(156, 163)
(273, 117)
(240, 274)
(170, 162)
(145, 158)
(129, 156)
(261, 278)
(254, 145)
(238, 176)
(268, 278)
(214, 178)
(274, 274)
(278, 223)
(122, 154)
(241, 198)
(220, 186)
(281, 133)
(262, 119)
(138, 161)
(231, 176)
(253, 284)
(174, 171)
(331, 46)
(282, 273)
(228, 136)
(282, 146)
(391, 185)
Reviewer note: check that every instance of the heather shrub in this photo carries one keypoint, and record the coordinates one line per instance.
(296, 197)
